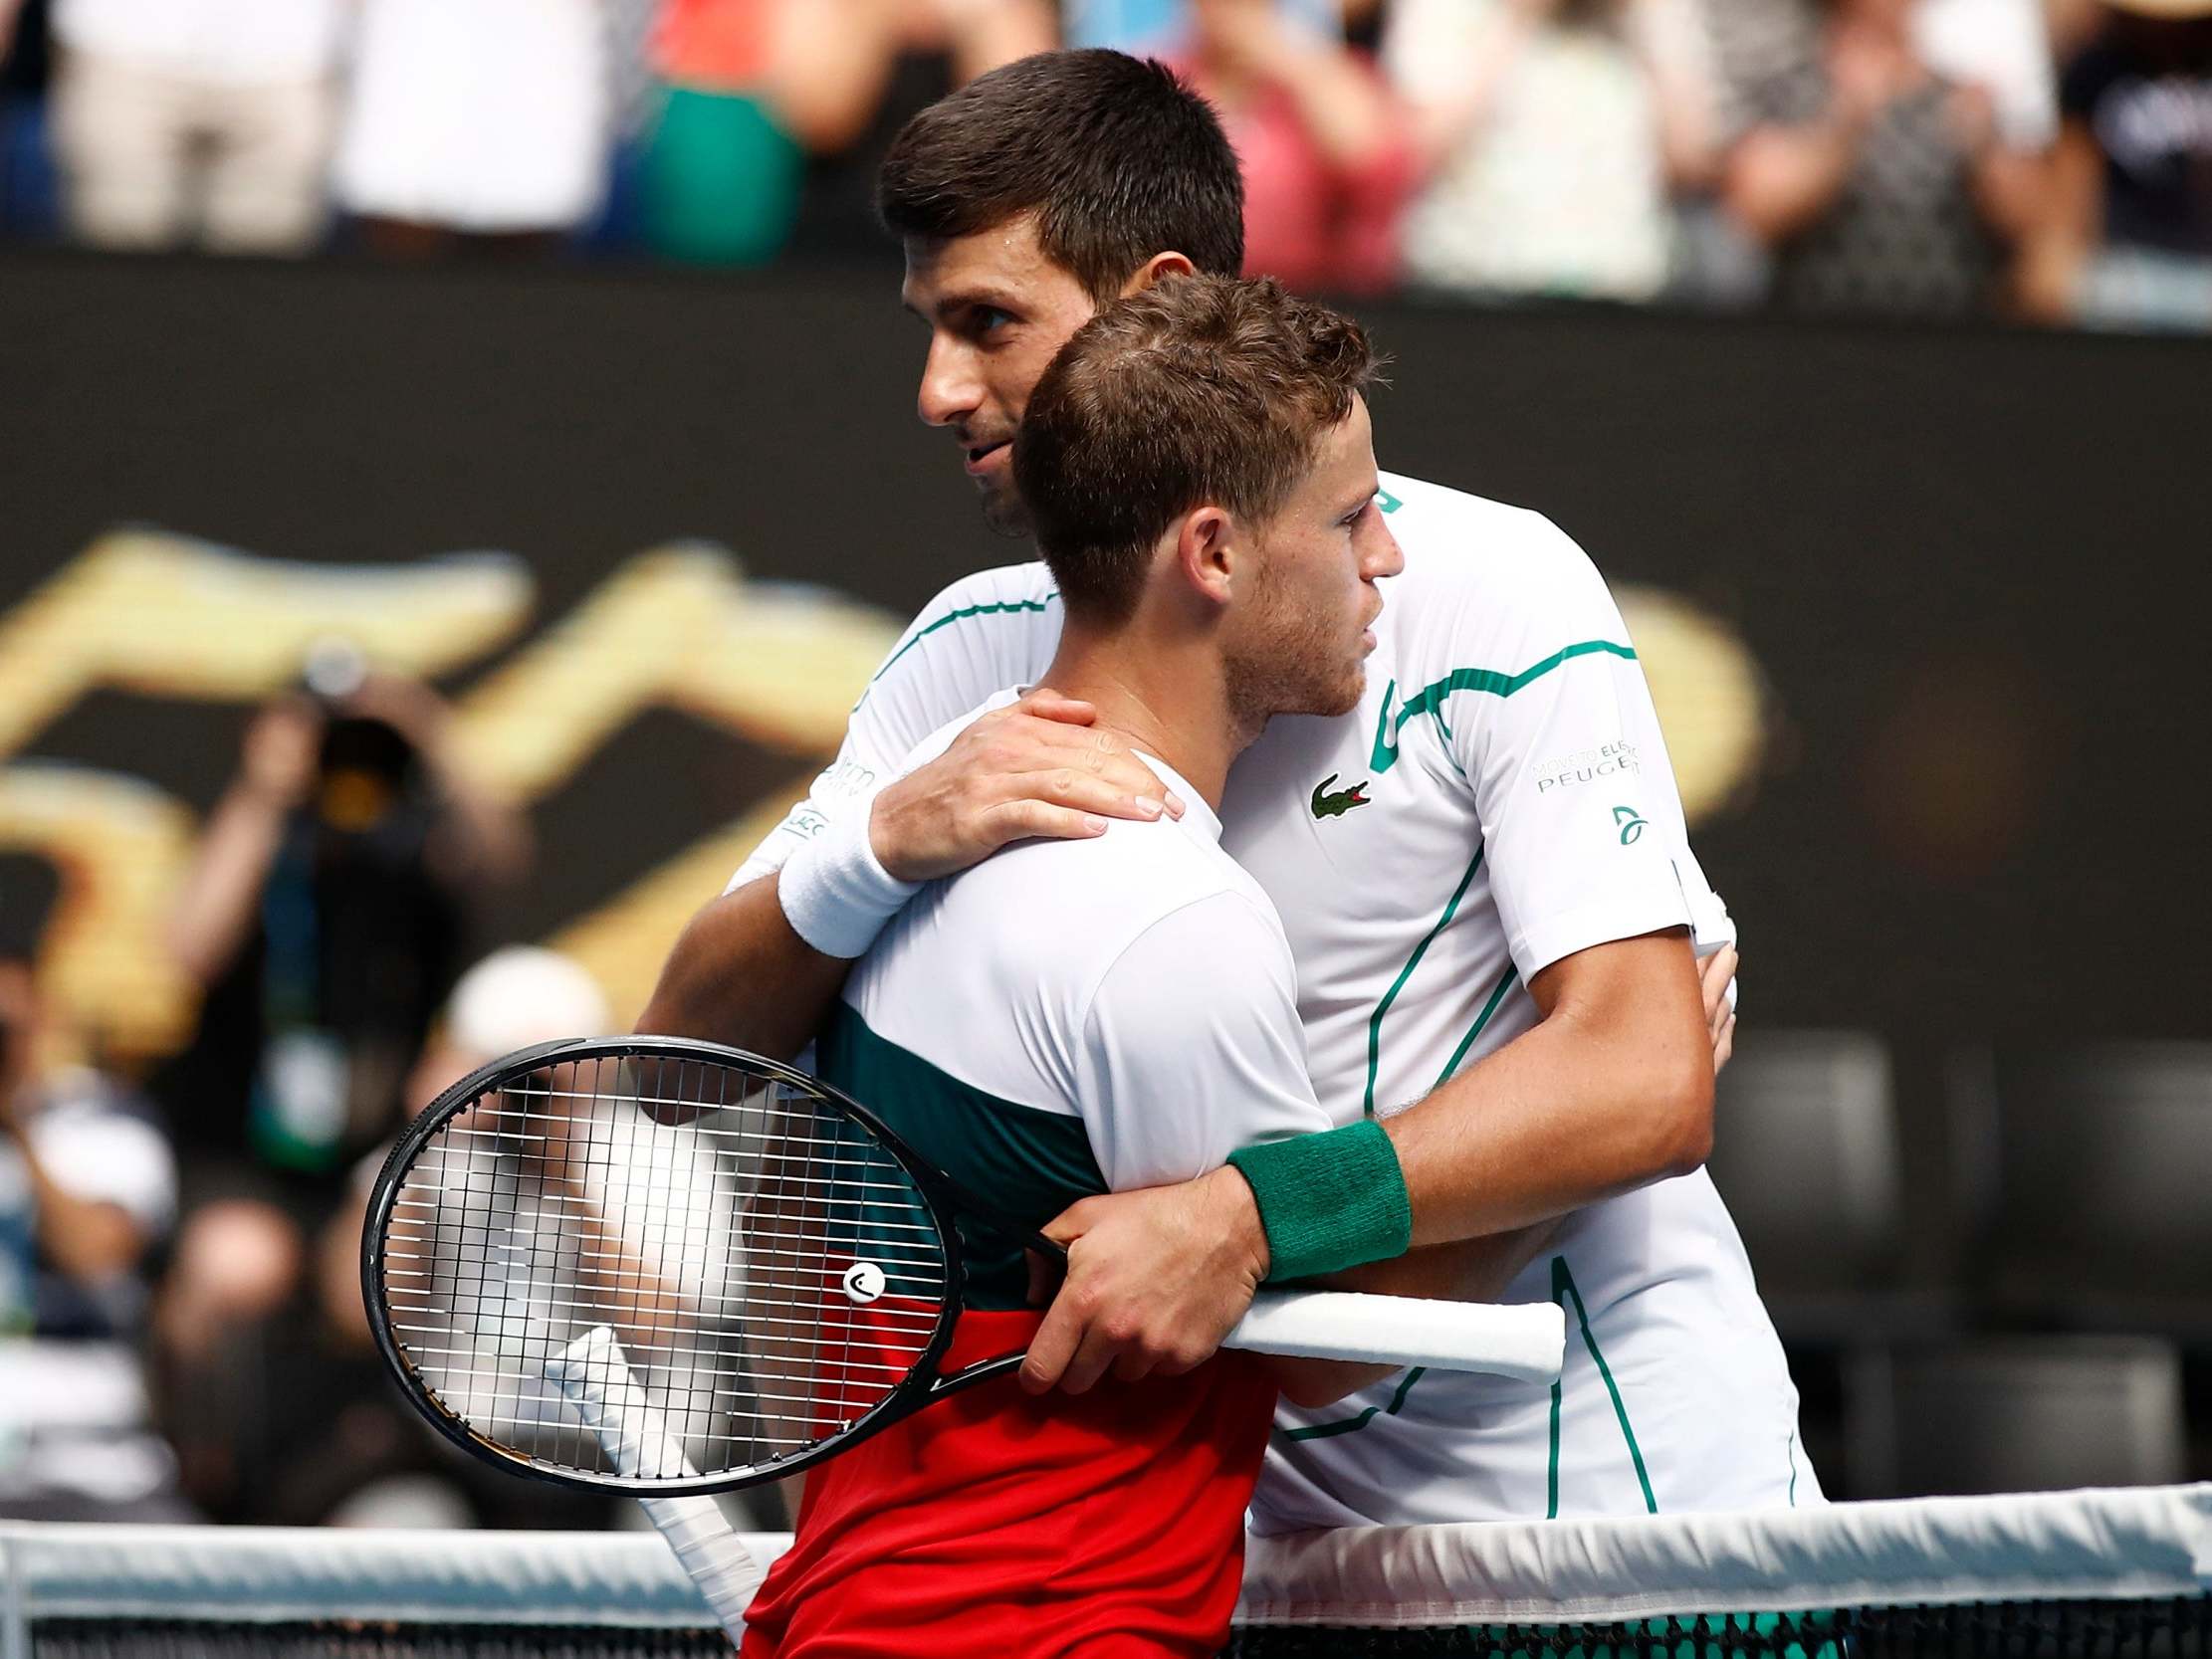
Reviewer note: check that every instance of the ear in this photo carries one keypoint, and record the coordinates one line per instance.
(1206, 552)
(1168, 263)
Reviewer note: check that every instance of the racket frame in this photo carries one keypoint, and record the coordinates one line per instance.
(942, 1197)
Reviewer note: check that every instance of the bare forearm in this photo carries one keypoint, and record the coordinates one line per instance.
(2065, 231)
(997, 32)
(491, 839)
(1527, 1137)
(215, 907)
(1598, 1098)
(740, 975)
(1340, 106)
(1781, 179)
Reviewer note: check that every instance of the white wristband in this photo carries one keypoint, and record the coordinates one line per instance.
(834, 892)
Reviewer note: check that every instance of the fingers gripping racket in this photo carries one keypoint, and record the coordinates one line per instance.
(782, 1272)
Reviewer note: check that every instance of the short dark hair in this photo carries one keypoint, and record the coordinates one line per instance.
(1197, 390)
(1118, 159)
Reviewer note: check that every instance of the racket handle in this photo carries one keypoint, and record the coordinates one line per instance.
(594, 1373)
(1523, 1341)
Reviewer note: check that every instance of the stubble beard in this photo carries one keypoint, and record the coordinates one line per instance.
(1292, 666)
(1005, 511)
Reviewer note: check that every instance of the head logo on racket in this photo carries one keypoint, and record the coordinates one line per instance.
(863, 1282)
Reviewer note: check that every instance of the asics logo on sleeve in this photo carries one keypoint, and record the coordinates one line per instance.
(1326, 805)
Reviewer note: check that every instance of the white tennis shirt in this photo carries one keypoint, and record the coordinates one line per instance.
(1500, 799)
(1137, 988)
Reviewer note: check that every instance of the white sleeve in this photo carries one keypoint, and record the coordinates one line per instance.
(1192, 1047)
(985, 632)
(1581, 825)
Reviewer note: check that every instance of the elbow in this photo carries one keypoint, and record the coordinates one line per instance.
(1683, 1121)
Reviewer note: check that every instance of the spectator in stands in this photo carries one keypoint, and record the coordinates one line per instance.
(324, 912)
(475, 123)
(1554, 131)
(1327, 159)
(901, 56)
(751, 89)
(26, 169)
(2126, 239)
(1163, 28)
(195, 120)
(1878, 183)
(87, 1190)
(349, 1450)
(722, 167)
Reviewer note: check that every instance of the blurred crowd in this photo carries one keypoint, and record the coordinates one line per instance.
(181, 1328)
(2041, 159)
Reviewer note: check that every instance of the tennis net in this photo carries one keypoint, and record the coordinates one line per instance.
(2107, 1574)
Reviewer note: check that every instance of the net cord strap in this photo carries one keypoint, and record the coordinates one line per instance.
(2094, 1545)
(594, 1377)
(2118, 1545)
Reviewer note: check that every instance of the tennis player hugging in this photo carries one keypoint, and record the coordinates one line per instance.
(1070, 1017)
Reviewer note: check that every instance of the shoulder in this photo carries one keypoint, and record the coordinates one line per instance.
(937, 741)
(995, 628)
(989, 599)
(1065, 913)
(1477, 568)
(1470, 540)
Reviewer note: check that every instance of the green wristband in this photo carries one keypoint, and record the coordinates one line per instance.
(1328, 1202)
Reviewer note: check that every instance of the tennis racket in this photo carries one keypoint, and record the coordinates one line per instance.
(778, 1271)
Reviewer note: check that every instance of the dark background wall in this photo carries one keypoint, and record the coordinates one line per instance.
(1969, 563)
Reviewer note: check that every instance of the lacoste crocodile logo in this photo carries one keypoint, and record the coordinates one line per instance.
(1326, 805)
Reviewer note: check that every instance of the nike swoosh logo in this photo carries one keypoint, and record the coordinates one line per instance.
(1386, 735)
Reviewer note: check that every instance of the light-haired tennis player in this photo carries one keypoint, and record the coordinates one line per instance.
(1072, 1017)
(1483, 872)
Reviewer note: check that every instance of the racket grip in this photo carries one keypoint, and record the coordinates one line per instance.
(1523, 1341)
(594, 1373)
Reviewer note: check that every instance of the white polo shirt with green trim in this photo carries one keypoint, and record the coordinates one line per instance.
(1500, 799)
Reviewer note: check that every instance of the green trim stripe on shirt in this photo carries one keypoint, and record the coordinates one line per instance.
(996, 609)
(1563, 1291)
(1382, 1008)
(1352, 1425)
(1429, 698)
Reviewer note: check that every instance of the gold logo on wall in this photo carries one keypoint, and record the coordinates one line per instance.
(166, 616)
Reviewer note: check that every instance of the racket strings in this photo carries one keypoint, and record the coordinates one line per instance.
(768, 1267)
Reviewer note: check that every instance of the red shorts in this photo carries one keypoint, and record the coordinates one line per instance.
(1102, 1526)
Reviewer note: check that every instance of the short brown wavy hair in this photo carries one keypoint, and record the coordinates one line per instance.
(1199, 391)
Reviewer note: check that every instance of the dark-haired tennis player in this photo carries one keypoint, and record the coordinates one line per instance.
(1483, 872)
(1077, 1015)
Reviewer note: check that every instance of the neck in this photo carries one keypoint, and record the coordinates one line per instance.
(1164, 694)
